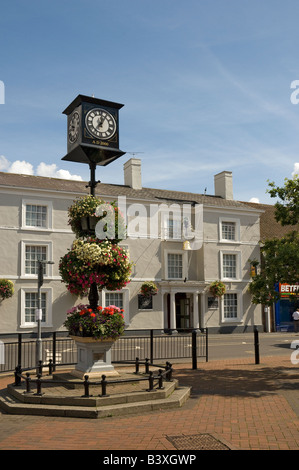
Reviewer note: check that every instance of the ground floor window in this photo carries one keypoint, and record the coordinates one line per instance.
(31, 304)
(230, 306)
(114, 298)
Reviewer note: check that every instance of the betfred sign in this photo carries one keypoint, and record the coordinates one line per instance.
(288, 289)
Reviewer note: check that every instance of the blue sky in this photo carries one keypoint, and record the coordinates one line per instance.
(206, 86)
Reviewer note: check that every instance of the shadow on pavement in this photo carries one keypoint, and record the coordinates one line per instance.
(239, 382)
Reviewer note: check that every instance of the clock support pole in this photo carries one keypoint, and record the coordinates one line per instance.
(92, 183)
(93, 296)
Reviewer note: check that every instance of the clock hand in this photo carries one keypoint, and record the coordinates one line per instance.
(100, 122)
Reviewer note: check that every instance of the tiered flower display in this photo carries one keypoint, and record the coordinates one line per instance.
(95, 263)
(91, 261)
(97, 209)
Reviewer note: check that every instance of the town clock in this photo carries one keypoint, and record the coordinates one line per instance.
(92, 131)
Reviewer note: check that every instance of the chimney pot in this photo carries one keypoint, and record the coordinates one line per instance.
(132, 173)
(223, 183)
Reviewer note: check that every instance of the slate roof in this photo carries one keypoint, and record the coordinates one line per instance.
(113, 190)
(268, 225)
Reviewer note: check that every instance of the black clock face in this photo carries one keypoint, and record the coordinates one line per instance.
(100, 123)
(74, 126)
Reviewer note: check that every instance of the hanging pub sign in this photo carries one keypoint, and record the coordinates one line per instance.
(145, 302)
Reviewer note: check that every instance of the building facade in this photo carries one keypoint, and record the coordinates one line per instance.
(223, 236)
(277, 317)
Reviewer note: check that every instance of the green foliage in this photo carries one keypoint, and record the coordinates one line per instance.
(113, 221)
(280, 264)
(287, 211)
(149, 288)
(280, 256)
(91, 261)
(217, 288)
(99, 323)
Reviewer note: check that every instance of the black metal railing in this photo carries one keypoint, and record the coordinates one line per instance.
(155, 380)
(19, 349)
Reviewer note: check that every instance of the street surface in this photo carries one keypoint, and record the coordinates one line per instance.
(241, 345)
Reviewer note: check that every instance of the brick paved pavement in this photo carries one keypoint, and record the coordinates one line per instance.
(247, 406)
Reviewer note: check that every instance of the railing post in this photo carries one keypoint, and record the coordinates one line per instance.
(18, 371)
(169, 371)
(194, 350)
(20, 348)
(104, 386)
(256, 346)
(152, 346)
(207, 345)
(160, 378)
(146, 365)
(137, 365)
(38, 385)
(54, 351)
(28, 382)
(86, 386)
(151, 382)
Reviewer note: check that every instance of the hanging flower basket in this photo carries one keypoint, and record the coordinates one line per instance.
(92, 261)
(102, 323)
(87, 211)
(6, 289)
(217, 289)
(148, 288)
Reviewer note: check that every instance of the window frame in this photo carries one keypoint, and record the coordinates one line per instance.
(231, 220)
(35, 202)
(49, 257)
(126, 298)
(239, 314)
(184, 255)
(49, 294)
(237, 255)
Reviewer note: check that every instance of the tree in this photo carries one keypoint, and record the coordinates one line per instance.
(280, 261)
(287, 211)
(280, 256)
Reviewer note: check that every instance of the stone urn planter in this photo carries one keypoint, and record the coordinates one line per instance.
(94, 332)
(94, 357)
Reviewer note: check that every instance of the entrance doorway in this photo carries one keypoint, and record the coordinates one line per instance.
(182, 311)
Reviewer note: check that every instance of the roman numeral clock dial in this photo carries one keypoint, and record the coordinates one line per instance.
(74, 126)
(100, 123)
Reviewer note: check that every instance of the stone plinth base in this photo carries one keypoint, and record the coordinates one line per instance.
(94, 375)
(94, 358)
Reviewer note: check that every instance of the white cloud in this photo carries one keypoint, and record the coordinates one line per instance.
(43, 169)
(296, 169)
(52, 171)
(21, 167)
(255, 200)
